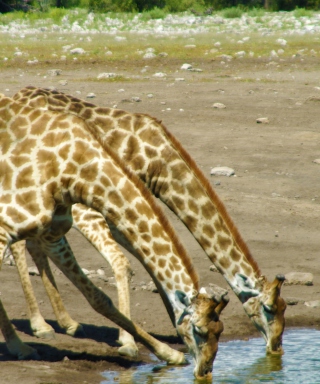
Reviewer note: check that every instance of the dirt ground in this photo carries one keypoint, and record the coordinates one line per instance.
(274, 198)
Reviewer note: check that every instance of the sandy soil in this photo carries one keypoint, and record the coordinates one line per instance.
(274, 199)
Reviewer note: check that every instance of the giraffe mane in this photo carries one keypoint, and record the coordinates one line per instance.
(213, 196)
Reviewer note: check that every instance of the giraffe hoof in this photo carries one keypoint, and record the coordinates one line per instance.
(28, 353)
(78, 332)
(129, 350)
(47, 335)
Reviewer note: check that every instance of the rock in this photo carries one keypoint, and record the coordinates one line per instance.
(159, 74)
(136, 99)
(298, 278)
(54, 72)
(33, 271)
(106, 75)
(262, 120)
(219, 106)
(77, 51)
(149, 55)
(186, 66)
(213, 268)
(316, 161)
(222, 171)
(291, 300)
(313, 303)
(100, 272)
(91, 95)
(63, 82)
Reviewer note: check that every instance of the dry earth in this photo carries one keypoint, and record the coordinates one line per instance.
(274, 198)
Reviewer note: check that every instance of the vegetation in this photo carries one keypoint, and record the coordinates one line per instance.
(157, 8)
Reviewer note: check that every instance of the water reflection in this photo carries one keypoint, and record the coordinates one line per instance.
(241, 362)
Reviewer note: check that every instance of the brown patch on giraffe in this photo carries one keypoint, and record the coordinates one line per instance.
(25, 178)
(49, 165)
(146, 250)
(193, 206)
(126, 191)
(160, 249)
(64, 151)
(82, 153)
(191, 223)
(143, 227)
(208, 231)
(5, 139)
(213, 197)
(70, 169)
(235, 254)
(28, 200)
(138, 162)
(118, 113)
(131, 215)
(161, 263)
(98, 192)
(90, 172)
(246, 268)
(156, 230)
(16, 108)
(146, 237)
(16, 215)
(224, 242)
(24, 147)
(177, 279)
(178, 187)
(168, 273)
(18, 161)
(150, 152)
(6, 198)
(6, 175)
(178, 202)
(86, 113)
(141, 209)
(115, 139)
(225, 262)
(115, 199)
(132, 149)
(19, 126)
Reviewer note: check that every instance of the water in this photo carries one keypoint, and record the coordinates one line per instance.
(241, 362)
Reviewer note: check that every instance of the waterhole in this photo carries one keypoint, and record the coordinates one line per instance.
(241, 362)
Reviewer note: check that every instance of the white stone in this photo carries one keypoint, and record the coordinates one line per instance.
(106, 75)
(282, 42)
(91, 95)
(100, 272)
(190, 46)
(149, 55)
(77, 51)
(54, 72)
(299, 278)
(222, 171)
(159, 74)
(186, 66)
(219, 106)
(33, 271)
(262, 120)
(313, 303)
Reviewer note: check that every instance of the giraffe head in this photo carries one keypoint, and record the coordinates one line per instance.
(200, 327)
(266, 311)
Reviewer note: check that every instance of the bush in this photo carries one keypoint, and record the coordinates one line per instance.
(155, 13)
(112, 5)
(232, 13)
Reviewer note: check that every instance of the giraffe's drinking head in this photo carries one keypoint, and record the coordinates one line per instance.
(267, 312)
(200, 327)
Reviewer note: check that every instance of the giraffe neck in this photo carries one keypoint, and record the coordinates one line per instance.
(150, 151)
(78, 170)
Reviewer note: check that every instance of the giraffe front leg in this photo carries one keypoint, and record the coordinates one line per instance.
(15, 346)
(38, 325)
(92, 225)
(61, 254)
(71, 327)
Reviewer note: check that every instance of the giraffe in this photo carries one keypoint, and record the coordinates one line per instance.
(50, 161)
(166, 168)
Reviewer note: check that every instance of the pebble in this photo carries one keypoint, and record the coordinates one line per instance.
(159, 74)
(186, 66)
(299, 278)
(33, 271)
(136, 99)
(313, 303)
(222, 171)
(316, 161)
(77, 51)
(213, 268)
(54, 72)
(91, 95)
(219, 106)
(262, 120)
(292, 301)
(106, 75)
